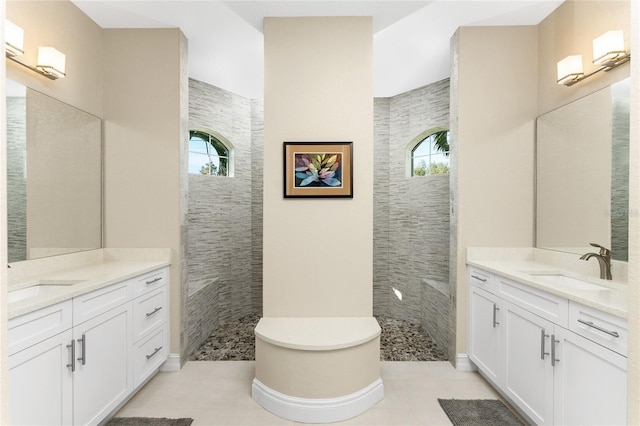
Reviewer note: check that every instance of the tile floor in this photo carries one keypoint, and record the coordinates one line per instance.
(219, 393)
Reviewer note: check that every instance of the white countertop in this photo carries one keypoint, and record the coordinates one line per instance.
(613, 301)
(78, 279)
(318, 334)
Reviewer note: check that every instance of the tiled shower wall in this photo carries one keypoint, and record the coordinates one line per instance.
(411, 218)
(257, 155)
(411, 215)
(620, 124)
(16, 178)
(221, 246)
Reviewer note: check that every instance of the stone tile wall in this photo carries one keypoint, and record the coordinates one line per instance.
(220, 218)
(620, 124)
(257, 178)
(411, 221)
(411, 215)
(16, 180)
(381, 281)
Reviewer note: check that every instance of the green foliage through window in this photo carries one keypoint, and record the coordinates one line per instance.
(431, 155)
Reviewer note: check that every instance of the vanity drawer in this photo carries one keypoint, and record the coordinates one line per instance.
(548, 306)
(149, 311)
(99, 301)
(605, 329)
(148, 355)
(34, 327)
(482, 279)
(150, 282)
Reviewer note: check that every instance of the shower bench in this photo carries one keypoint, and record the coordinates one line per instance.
(317, 370)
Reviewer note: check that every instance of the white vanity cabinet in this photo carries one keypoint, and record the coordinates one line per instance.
(87, 364)
(528, 373)
(39, 352)
(484, 321)
(150, 324)
(590, 382)
(102, 377)
(559, 362)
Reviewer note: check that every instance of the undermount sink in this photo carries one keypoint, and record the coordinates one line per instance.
(567, 282)
(39, 289)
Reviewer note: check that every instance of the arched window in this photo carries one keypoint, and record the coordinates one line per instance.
(208, 154)
(430, 153)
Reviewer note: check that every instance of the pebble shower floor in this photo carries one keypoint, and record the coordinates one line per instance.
(400, 341)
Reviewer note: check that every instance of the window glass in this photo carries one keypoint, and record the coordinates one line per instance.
(431, 155)
(207, 154)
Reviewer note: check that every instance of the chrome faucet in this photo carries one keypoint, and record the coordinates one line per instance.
(604, 259)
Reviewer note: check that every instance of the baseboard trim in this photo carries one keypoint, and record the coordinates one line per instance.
(308, 410)
(172, 363)
(463, 363)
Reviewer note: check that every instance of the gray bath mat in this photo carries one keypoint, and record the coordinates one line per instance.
(478, 412)
(148, 421)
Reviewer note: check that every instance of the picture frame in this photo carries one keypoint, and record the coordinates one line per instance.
(318, 169)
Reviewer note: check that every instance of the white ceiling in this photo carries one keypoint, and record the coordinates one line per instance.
(410, 43)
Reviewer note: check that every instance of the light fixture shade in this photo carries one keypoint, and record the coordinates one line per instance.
(608, 47)
(13, 39)
(570, 69)
(51, 62)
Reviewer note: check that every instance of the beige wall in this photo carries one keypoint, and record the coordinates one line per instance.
(143, 143)
(496, 108)
(62, 25)
(4, 357)
(634, 227)
(318, 87)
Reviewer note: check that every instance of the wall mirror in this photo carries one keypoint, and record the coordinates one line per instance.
(54, 176)
(582, 173)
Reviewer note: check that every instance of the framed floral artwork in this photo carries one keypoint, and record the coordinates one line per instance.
(318, 169)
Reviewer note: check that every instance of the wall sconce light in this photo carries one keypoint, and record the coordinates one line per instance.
(51, 62)
(570, 70)
(608, 53)
(13, 39)
(608, 49)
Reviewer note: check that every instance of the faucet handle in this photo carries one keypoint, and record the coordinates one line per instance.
(603, 250)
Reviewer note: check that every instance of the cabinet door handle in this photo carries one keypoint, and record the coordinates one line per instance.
(590, 324)
(155, 280)
(154, 311)
(83, 343)
(154, 352)
(484, 280)
(495, 314)
(543, 336)
(554, 360)
(72, 364)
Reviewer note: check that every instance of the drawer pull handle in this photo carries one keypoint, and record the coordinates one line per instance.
(543, 336)
(154, 352)
(72, 365)
(554, 360)
(590, 324)
(155, 280)
(83, 342)
(154, 311)
(484, 280)
(495, 313)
